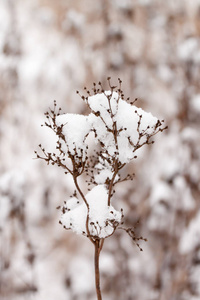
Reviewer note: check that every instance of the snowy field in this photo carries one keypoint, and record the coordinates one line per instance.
(48, 51)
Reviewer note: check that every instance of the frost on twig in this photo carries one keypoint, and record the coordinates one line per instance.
(119, 129)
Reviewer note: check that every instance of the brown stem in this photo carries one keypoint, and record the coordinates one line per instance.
(88, 208)
(97, 274)
(112, 182)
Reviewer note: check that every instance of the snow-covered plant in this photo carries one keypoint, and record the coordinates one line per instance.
(118, 129)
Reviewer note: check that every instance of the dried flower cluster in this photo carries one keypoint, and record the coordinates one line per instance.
(119, 129)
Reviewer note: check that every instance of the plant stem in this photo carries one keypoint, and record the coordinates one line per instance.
(97, 274)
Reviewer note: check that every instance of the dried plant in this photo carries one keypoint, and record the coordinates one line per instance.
(119, 129)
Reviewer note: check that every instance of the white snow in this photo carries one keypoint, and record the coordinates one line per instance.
(126, 117)
(104, 114)
(102, 175)
(75, 129)
(101, 215)
(109, 113)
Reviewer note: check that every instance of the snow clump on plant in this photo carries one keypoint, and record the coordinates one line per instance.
(119, 129)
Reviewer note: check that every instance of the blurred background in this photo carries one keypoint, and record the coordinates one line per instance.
(48, 50)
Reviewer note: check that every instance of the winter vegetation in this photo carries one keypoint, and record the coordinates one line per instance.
(118, 129)
(50, 49)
